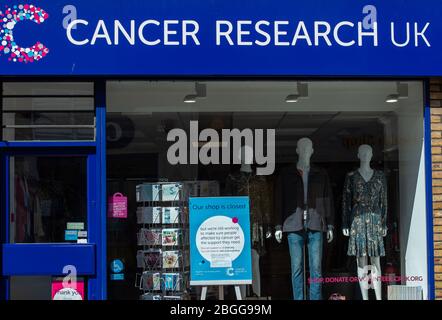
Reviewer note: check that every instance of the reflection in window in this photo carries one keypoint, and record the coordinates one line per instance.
(46, 194)
(48, 112)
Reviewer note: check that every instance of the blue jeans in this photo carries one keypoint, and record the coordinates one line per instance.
(314, 245)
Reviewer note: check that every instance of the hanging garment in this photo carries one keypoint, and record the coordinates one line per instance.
(260, 191)
(364, 210)
(38, 220)
(29, 213)
(21, 212)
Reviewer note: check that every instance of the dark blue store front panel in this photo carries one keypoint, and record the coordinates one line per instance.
(221, 37)
(48, 259)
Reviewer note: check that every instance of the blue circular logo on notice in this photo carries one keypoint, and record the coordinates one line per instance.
(117, 266)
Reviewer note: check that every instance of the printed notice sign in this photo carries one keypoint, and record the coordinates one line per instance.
(220, 249)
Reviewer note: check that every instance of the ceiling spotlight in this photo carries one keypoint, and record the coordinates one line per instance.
(191, 98)
(401, 93)
(302, 89)
(292, 98)
(392, 98)
(200, 92)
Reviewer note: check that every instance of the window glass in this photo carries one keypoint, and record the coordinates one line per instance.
(48, 199)
(48, 111)
(48, 104)
(347, 179)
(48, 88)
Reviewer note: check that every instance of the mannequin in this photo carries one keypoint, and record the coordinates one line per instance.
(247, 183)
(373, 181)
(305, 151)
(306, 205)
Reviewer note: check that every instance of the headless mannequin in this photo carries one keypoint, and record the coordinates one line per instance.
(365, 154)
(305, 151)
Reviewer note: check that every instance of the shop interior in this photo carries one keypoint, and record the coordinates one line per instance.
(338, 117)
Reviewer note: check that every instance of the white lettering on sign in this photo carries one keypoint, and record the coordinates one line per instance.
(174, 32)
(417, 33)
(73, 25)
(364, 31)
(336, 32)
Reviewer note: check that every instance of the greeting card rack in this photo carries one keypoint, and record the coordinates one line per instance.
(163, 255)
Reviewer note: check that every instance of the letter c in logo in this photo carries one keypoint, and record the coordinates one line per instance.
(230, 272)
(8, 46)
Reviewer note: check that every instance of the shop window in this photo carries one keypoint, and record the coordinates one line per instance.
(48, 111)
(366, 184)
(48, 199)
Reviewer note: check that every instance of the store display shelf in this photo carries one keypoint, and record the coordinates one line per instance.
(163, 237)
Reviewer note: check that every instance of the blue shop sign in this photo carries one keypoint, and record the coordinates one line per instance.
(221, 37)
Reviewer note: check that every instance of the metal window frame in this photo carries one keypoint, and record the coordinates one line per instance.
(429, 191)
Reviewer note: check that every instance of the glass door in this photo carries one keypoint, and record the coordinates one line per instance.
(48, 206)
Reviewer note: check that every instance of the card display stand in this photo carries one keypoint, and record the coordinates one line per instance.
(163, 237)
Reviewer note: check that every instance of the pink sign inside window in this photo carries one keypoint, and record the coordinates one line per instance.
(117, 206)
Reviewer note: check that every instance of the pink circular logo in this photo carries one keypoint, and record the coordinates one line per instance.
(235, 220)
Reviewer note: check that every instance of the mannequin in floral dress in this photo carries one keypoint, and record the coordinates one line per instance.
(364, 209)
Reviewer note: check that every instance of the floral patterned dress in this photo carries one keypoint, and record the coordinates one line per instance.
(364, 209)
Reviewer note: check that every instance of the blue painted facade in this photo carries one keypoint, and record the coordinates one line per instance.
(204, 61)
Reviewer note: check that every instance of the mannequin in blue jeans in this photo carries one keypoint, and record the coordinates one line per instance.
(296, 247)
(312, 238)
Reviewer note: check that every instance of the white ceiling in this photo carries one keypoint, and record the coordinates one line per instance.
(256, 96)
(333, 112)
